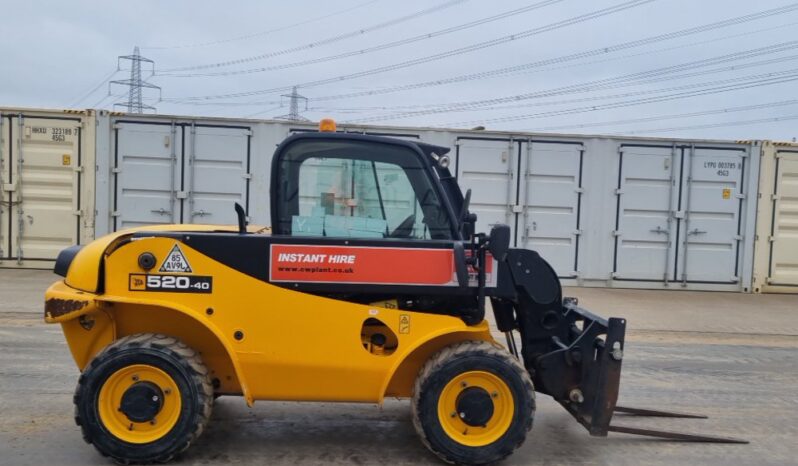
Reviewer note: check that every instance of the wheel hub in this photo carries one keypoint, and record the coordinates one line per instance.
(474, 406)
(142, 402)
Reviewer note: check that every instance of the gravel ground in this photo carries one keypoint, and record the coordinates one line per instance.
(732, 357)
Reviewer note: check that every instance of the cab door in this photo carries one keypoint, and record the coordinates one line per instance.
(357, 214)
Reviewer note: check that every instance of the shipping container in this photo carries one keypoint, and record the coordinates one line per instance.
(776, 251)
(47, 184)
(605, 211)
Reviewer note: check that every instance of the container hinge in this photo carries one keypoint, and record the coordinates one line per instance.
(117, 126)
(116, 214)
(10, 187)
(616, 233)
(248, 132)
(739, 196)
(247, 176)
(618, 191)
(181, 194)
(738, 237)
(771, 238)
(77, 213)
(116, 170)
(615, 275)
(579, 190)
(774, 197)
(517, 208)
(678, 214)
(577, 232)
(78, 169)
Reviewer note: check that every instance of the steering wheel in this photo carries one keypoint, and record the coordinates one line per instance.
(405, 229)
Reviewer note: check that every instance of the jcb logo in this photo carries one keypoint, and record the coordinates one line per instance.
(137, 283)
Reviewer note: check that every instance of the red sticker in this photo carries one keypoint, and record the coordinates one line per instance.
(366, 265)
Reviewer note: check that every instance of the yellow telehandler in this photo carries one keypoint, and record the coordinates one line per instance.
(371, 282)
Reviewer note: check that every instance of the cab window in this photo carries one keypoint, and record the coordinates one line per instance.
(356, 189)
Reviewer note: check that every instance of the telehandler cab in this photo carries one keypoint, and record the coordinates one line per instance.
(370, 283)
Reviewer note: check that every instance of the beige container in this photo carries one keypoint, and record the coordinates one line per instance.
(776, 248)
(47, 163)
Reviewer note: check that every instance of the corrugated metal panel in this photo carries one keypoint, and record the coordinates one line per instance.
(47, 199)
(646, 204)
(146, 174)
(776, 261)
(678, 220)
(179, 172)
(488, 167)
(552, 191)
(784, 237)
(712, 201)
(217, 173)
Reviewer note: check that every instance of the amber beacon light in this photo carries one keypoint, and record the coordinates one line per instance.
(327, 125)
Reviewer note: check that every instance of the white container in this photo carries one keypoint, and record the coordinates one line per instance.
(47, 184)
(160, 170)
(604, 211)
(776, 254)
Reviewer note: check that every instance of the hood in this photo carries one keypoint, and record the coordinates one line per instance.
(81, 265)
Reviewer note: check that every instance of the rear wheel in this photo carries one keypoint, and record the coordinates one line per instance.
(143, 399)
(473, 403)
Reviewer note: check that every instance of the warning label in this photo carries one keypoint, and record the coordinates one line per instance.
(404, 324)
(175, 261)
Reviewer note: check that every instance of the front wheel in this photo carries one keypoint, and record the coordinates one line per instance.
(143, 399)
(473, 403)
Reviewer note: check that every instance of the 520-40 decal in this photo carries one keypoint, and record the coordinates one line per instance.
(171, 283)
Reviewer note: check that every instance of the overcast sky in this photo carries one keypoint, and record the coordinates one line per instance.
(61, 54)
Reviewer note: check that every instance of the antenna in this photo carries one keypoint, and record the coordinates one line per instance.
(134, 102)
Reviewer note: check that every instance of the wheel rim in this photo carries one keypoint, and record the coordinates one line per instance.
(139, 403)
(463, 405)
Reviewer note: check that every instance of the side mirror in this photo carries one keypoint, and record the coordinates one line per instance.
(499, 242)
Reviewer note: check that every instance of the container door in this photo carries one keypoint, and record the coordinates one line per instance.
(147, 174)
(783, 262)
(5, 187)
(644, 223)
(43, 187)
(709, 232)
(551, 189)
(487, 167)
(217, 173)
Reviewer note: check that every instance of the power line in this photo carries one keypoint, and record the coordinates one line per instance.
(713, 125)
(94, 89)
(478, 46)
(261, 112)
(753, 81)
(477, 75)
(618, 81)
(743, 108)
(327, 41)
(385, 46)
(576, 56)
(262, 33)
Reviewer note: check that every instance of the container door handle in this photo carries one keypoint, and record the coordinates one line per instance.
(162, 211)
(659, 230)
(200, 213)
(696, 232)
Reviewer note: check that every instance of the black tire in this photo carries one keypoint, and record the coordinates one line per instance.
(448, 364)
(167, 354)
